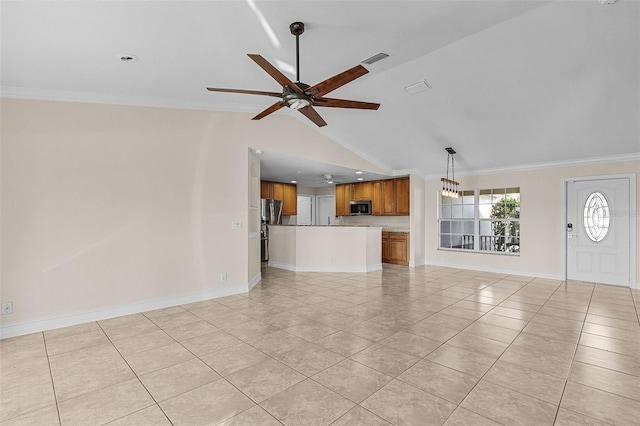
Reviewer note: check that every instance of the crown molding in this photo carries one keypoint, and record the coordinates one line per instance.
(29, 93)
(547, 165)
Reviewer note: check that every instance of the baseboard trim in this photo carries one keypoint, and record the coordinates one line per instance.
(295, 268)
(494, 270)
(44, 324)
(254, 281)
(420, 262)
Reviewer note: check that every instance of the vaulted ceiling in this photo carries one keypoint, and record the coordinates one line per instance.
(514, 83)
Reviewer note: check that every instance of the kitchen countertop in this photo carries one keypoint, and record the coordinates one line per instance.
(337, 226)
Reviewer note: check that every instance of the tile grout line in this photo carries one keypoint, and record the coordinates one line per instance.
(564, 388)
(53, 385)
(136, 376)
(494, 363)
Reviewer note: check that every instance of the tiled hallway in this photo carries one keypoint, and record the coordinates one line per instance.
(420, 346)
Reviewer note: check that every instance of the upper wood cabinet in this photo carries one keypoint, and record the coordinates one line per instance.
(402, 196)
(343, 198)
(362, 191)
(376, 198)
(277, 191)
(290, 200)
(285, 192)
(389, 197)
(265, 189)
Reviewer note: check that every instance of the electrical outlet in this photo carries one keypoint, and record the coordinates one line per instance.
(223, 277)
(236, 225)
(7, 308)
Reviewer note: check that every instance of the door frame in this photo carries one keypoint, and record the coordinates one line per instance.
(318, 197)
(633, 282)
(313, 206)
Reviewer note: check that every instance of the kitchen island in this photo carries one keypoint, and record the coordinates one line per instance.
(328, 248)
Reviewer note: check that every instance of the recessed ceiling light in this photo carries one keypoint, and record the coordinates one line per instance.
(360, 179)
(128, 58)
(294, 181)
(358, 172)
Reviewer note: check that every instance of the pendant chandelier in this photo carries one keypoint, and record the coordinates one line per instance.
(450, 186)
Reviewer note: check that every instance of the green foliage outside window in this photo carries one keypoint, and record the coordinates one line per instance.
(507, 233)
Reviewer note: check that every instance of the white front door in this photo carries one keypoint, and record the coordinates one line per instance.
(326, 211)
(597, 230)
(305, 210)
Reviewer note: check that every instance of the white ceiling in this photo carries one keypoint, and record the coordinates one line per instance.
(514, 82)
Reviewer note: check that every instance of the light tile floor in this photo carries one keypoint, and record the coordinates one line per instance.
(403, 346)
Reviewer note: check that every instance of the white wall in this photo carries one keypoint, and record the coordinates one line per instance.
(112, 209)
(417, 222)
(541, 218)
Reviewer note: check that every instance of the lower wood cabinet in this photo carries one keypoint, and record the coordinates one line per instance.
(395, 248)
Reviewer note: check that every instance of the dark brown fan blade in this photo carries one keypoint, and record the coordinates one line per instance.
(344, 103)
(336, 81)
(313, 115)
(272, 108)
(275, 73)
(246, 92)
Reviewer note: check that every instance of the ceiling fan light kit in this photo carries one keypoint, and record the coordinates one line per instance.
(300, 96)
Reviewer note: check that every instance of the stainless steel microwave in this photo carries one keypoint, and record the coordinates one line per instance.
(361, 207)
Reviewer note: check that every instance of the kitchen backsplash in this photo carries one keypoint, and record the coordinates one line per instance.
(387, 221)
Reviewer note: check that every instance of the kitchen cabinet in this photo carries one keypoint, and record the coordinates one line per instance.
(265, 189)
(389, 197)
(376, 198)
(290, 200)
(362, 191)
(394, 197)
(285, 192)
(277, 191)
(343, 198)
(401, 197)
(395, 248)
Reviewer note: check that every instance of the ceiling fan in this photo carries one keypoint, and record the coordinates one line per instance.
(325, 179)
(301, 96)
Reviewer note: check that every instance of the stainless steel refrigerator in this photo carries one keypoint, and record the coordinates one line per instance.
(270, 214)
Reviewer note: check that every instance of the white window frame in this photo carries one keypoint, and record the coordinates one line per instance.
(476, 226)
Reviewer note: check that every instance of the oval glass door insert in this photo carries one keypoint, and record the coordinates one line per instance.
(596, 217)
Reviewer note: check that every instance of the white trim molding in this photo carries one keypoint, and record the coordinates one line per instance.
(495, 270)
(44, 324)
(254, 281)
(549, 165)
(298, 268)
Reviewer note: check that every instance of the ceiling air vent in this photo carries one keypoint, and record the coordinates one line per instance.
(418, 87)
(375, 58)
